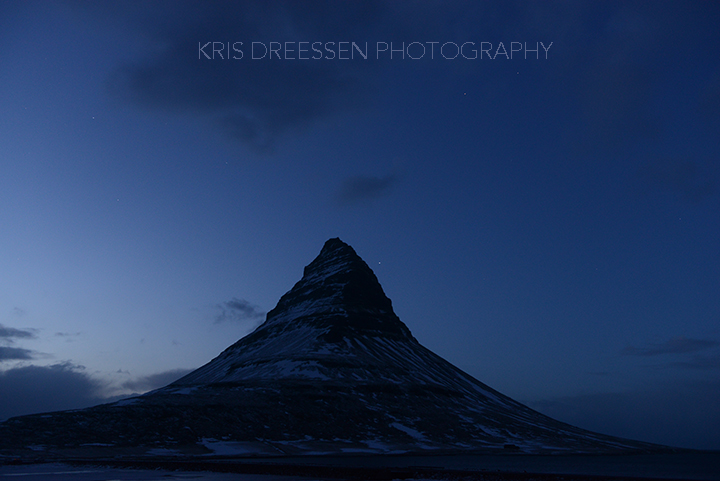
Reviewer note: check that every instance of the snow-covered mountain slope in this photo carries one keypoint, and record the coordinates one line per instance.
(331, 370)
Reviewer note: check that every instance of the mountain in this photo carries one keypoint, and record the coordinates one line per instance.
(331, 370)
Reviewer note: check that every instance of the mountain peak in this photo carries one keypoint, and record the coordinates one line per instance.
(335, 308)
(339, 291)
(335, 255)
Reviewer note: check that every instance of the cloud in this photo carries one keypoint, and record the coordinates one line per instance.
(693, 180)
(622, 71)
(678, 345)
(709, 98)
(361, 188)
(616, 104)
(700, 363)
(8, 336)
(258, 100)
(34, 389)
(14, 354)
(68, 336)
(252, 100)
(155, 381)
(9, 333)
(684, 414)
(238, 310)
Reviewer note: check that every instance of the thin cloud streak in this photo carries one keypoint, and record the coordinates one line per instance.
(679, 345)
(363, 188)
(11, 332)
(700, 363)
(15, 354)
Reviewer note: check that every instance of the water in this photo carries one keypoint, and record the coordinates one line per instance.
(61, 472)
(687, 466)
(691, 466)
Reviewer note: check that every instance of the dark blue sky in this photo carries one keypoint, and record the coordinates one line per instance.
(548, 222)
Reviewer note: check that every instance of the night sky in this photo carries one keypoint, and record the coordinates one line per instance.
(537, 192)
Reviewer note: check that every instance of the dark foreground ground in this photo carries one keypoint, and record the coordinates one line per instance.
(686, 466)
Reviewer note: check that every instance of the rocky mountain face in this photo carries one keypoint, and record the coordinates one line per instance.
(331, 370)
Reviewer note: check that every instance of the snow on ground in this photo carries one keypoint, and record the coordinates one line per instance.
(162, 452)
(223, 448)
(61, 472)
(409, 431)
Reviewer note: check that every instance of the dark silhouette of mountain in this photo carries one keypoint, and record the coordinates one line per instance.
(331, 370)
